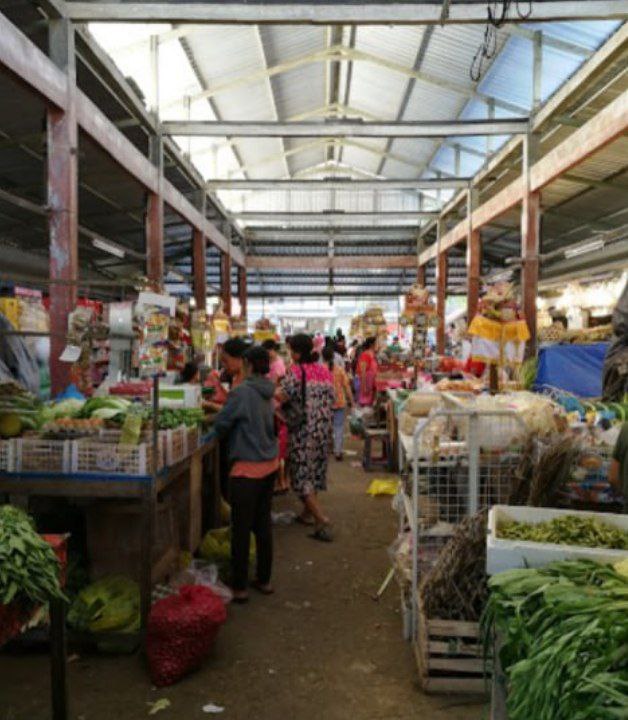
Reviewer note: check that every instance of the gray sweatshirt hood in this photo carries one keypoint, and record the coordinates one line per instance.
(262, 385)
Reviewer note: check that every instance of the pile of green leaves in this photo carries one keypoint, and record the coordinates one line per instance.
(567, 530)
(29, 569)
(173, 417)
(565, 640)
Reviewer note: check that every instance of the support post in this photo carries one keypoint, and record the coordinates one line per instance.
(420, 271)
(199, 246)
(441, 299)
(474, 257)
(530, 241)
(225, 282)
(474, 264)
(155, 200)
(242, 292)
(62, 191)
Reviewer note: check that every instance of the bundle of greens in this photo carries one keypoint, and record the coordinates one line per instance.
(567, 530)
(564, 635)
(19, 410)
(174, 417)
(29, 569)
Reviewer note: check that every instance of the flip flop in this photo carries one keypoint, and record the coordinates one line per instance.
(302, 521)
(323, 534)
(264, 589)
(240, 600)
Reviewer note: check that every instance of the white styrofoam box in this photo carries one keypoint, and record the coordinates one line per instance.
(504, 554)
(185, 395)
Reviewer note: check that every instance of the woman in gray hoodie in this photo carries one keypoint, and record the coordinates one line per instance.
(247, 421)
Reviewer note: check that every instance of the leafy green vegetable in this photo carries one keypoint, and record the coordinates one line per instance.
(564, 634)
(29, 569)
(567, 530)
(67, 408)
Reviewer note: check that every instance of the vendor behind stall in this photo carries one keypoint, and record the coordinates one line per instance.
(618, 471)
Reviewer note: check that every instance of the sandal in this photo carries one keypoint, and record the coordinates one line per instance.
(265, 589)
(323, 534)
(240, 599)
(303, 521)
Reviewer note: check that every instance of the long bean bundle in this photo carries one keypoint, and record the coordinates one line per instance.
(564, 640)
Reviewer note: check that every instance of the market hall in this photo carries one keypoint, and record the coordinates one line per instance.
(313, 359)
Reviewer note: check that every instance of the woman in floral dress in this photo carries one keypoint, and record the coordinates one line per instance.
(309, 445)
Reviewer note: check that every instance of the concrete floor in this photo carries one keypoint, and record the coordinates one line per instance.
(319, 648)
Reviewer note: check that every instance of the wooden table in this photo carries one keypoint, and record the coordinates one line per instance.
(143, 489)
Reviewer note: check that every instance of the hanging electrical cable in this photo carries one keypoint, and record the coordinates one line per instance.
(498, 13)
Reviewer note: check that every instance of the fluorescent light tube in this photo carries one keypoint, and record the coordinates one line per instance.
(589, 247)
(108, 247)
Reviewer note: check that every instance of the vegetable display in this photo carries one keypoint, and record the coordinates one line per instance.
(29, 569)
(455, 588)
(19, 410)
(563, 631)
(173, 417)
(567, 530)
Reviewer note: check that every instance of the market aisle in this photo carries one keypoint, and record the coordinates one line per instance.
(320, 648)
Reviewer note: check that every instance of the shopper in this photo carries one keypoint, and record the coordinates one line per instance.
(366, 372)
(277, 365)
(308, 391)
(618, 471)
(232, 361)
(342, 400)
(276, 374)
(246, 421)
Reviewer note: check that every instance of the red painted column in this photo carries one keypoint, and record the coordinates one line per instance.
(530, 243)
(474, 271)
(154, 229)
(62, 192)
(242, 291)
(442, 266)
(199, 267)
(420, 275)
(225, 282)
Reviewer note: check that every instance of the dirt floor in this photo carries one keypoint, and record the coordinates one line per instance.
(319, 648)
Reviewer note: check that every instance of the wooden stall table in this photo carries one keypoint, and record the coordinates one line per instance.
(145, 490)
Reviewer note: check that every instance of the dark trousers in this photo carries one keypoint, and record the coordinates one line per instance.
(251, 501)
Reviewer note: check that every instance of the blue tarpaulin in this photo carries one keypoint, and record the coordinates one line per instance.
(574, 368)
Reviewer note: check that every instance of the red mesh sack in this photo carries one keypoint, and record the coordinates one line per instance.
(181, 631)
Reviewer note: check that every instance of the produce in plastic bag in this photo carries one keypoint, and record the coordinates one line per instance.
(111, 604)
(181, 631)
(199, 572)
(216, 546)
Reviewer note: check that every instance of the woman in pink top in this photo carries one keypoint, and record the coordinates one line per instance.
(276, 374)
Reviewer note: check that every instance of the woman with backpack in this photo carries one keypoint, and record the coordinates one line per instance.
(307, 395)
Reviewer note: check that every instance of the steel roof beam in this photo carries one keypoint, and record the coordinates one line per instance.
(280, 216)
(347, 128)
(384, 184)
(339, 13)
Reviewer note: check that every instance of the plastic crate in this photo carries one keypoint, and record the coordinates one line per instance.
(193, 439)
(111, 458)
(7, 455)
(176, 444)
(36, 455)
(502, 554)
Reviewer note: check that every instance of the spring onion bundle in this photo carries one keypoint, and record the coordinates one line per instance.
(564, 635)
